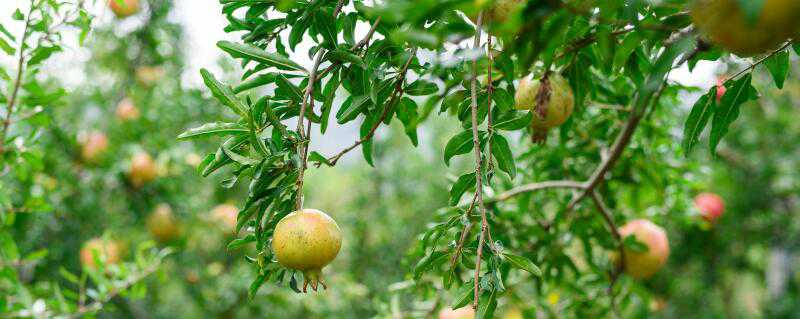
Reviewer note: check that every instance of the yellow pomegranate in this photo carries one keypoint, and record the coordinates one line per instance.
(162, 224)
(307, 240)
(642, 265)
(149, 75)
(124, 8)
(142, 169)
(724, 23)
(126, 110)
(499, 11)
(225, 216)
(465, 312)
(94, 145)
(108, 251)
(557, 98)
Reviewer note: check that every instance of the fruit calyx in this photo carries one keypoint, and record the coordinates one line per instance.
(314, 278)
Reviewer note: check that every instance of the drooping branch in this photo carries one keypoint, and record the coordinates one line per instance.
(11, 103)
(478, 162)
(760, 61)
(397, 93)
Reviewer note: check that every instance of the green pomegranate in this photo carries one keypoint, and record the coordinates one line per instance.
(557, 98)
(307, 240)
(724, 23)
(162, 224)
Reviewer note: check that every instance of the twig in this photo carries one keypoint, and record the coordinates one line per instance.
(464, 232)
(17, 81)
(302, 146)
(489, 91)
(755, 64)
(532, 188)
(97, 305)
(396, 95)
(609, 220)
(478, 162)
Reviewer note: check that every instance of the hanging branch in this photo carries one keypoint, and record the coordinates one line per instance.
(397, 93)
(17, 80)
(478, 162)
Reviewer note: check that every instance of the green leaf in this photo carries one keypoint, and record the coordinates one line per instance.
(462, 184)
(295, 94)
(464, 295)
(351, 108)
(421, 88)
(502, 153)
(222, 93)
(698, 118)
(459, 144)
(256, 284)
(316, 157)
(344, 56)
(216, 128)
(260, 80)
(327, 105)
(244, 51)
(737, 93)
(241, 242)
(6, 47)
(523, 263)
(514, 121)
(778, 66)
(326, 26)
(435, 257)
(634, 245)
(487, 304)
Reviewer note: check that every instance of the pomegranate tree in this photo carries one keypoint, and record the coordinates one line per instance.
(710, 206)
(142, 169)
(307, 240)
(725, 24)
(124, 8)
(644, 264)
(162, 224)
(108, 251)
(550, 99)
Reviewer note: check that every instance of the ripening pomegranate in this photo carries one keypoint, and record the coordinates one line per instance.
(642, 265)
(465, 312)
(225, 216)
(149, 75)
(142, 169)
(556, 94)
(710, 206)
(126, 110)
(94, 145)
(724, 23)
(108, 251)
(124, 8)
(307, 240)
(162, 224)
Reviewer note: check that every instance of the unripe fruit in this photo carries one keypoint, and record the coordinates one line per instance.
(642, 265)
(94, 145)
(162, 224)
(461, 313)
(225, 216)
(126, 110)
(142, 169)
(108, 251)
(556, 98)
(124, 8)
(710, 206)
(724, 23)
(307, 240)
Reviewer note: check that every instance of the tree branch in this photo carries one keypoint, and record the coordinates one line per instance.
(760, 61)
(397, 93)
(302, 146)
(17, 81)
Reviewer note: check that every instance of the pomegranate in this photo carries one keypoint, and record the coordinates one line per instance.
(162, 224)
(710, 206)
(724, 23)
(108, 251)
(126, 110)
(142, 169)
(124, 8)
(551, 103)
(642, 265)
(225, 216)
(94, 145)
(461, 313)
(149, 75)
(307, 240)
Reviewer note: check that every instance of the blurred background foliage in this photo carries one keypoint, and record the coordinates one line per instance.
(745, 266)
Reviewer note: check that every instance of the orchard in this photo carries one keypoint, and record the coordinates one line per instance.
(399, 159)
